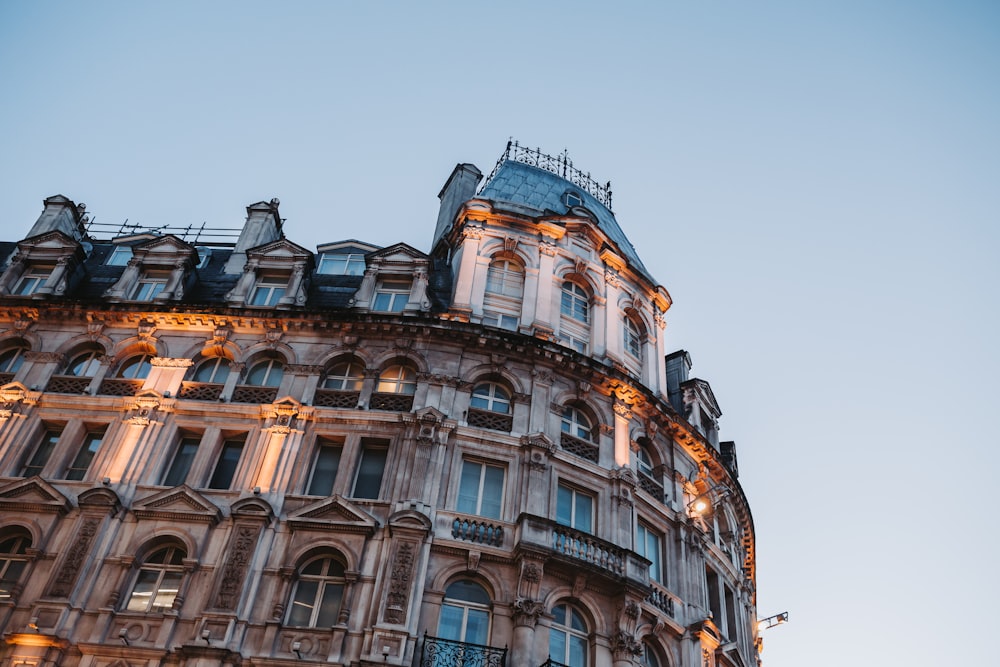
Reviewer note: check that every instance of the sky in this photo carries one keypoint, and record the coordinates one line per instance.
(815, 183)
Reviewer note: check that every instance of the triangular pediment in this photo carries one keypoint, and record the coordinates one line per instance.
(53, 240)
(163, 246)
(334, 513)
(34, 495)
(181, 503)
(346, 247)
(400, 252)
(280, 249)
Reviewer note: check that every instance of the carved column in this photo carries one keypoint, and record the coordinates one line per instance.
(547, 251)
(526, 611)
(613, 324)
(472, 237)
(623, 415)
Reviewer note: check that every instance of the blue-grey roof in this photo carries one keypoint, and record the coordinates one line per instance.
(518, 183)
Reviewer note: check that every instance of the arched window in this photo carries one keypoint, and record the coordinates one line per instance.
(632, 337)
(85, 364)
(465, 613)
(574, 327)
(317, 595)
(505, 277)
(12, 358)
(135, 368)
(492, 397)
(648, 657)
(159, 580)
(213, 370)
(568, 637)
(643, 461)
(13, 560)
(345, 376)
(397, 379)
(576, 423)
(266, 373)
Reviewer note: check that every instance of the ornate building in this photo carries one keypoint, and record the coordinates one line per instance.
(249, 453)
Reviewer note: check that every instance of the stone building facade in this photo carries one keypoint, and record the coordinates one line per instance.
(251, 453)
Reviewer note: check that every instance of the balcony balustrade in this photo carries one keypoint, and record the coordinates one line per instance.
(120, 387)
(651, 486)
(200, 391)
(492, 420)
(439, 652)
(474, 530)
(392, 402)
(580, 447)
(589, 549)
(251, 394)
(68, 384)
(332, 398)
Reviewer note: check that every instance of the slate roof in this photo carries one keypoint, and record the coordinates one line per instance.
(522, 184)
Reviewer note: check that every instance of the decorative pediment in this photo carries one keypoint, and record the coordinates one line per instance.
(49, 241)
(348, 246)
(32, 495)
(179, 504)
(334, 514)
(410, 519)
(163, 250)
(282, 249)
(400, 253)
(99, 498)
(251, 508)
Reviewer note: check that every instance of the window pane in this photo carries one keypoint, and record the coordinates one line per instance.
(577, 651)
(450, 625)
(468, 490)
(213, 370)
(324, 470)
(225, 469)
(85, 456)
(369, 480)
(136, 368)
(330, 607)
(583, 520)
(302, 606)
(42, 453)
(477, 626)
(557, 645)
(182, 462)
(167, 592)
(564, 506)
(142, 592)
(492, 492)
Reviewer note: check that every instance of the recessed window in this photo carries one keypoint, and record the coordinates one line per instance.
(77, 470)
(183, 458)
(371, 467)
(213, 370)
(480, 489)
(575, 422)
(575, 509)
(648, 544)
(491, 396)
(499, 320)
(318, 593)
(266, 373)
(568, 637)
(229, 461)
(397, 379)
(505, 278)
(326, 462)
(352, 264)
(633, 337)
(575, 302)
(120, 256)
(573, 199)
(42, 453)
(204, 256)
(391, 295)
(85, 364)
(31, 280)
(12, 358)
(268, 290)
(465, 614)
(136, 368)
(13, 561)
(345, 376)
(150, 284)
(158, 582)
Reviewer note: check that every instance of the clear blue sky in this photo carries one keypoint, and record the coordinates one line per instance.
(816, 183)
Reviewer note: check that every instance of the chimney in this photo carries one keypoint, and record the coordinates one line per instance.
(61, 215)
(678, 368)
(263, 225)
(458, 189)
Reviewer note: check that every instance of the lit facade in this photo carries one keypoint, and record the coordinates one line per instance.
(251, 453)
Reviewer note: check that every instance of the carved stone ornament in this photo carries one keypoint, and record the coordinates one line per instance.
(234, 574)
(145, 329)
(13, 394)
(284, 414)
(660, 320)
(399, 586)
(547, 248)
(221, 334)
(581, 267)
(472, 232)
(44, 357)
(526, 612)
(166, 362)
(510, 243)
(94, 329)
(624, 646)
(273, 336)
(623, 410)
(611, 278)
(21, 325)
(66, 577)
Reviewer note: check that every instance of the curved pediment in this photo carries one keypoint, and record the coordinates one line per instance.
(99, 498)
(252, 508)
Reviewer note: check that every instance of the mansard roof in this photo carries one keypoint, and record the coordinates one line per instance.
(543, 191)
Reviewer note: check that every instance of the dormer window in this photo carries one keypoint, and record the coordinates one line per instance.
(352, 264)
(573, 199)
(391, 295)
(204, 255)
(150, 285)
(268, 290)
(31, 280)
(120, 256)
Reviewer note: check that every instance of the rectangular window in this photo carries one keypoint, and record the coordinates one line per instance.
(268, 290)
(120, 256)
(32, 279)
(150, 285)
(575, 509)
(325, 466)
(91, 443)
(500, 320)
(229, 460)
(368, 483)
(649, 546)
(42, 453)
(480, 489)
(183, 458)
(391, 295)
(341, 265)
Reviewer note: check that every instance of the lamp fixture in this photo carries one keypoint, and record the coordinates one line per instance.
(771, 621)
(297, 649)
(123, 635)
(206, 634)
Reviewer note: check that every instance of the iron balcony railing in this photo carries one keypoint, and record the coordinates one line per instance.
(552, 663)
(440, 652)
(120, 387)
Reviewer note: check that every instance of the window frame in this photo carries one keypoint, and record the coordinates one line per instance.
(572, 420)
(141, 362)
(575, 496)
(353, 263)
(566, 628)
(162, 570)
(400, 385)
(324, 583)
(345, 381)
(150, 285)
(31, 280)
(334, 450)
(20, 540)
(274, 285)
(393, 299)
(632, 337)
(119, 256)
(271, 363)
(12, 357)
(478, 497)
(492, 399)
(649, 541)
(78, 468)
(465, 607)
(505, 279)
(575, 302)
(215, 363)
(88, 361)
(373, 453)
(181, 462)
(222, 478)
(42, 453)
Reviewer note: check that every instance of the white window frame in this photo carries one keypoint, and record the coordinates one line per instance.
(353, 264)
(150, 285)
(33, 278)
(120, 256)
(272, 287)
(391, 295)
(575, 497)
(649, 545)
(472, 500)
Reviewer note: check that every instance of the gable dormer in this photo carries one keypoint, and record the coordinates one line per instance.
(160, 270)
(43, 266)
(274, 276)
(395, 281)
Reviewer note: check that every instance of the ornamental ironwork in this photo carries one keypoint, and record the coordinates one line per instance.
(560, 165)
(68, 384)
(391, 402)
(440, 652)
